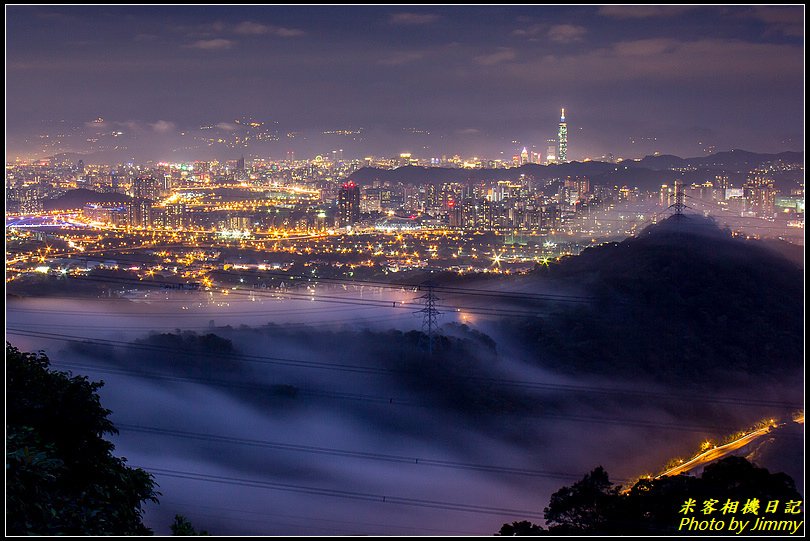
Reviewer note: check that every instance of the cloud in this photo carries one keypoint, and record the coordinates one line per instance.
(413, 18)
(52, 15)
(566, 33)
(250, 28)
(227, 126)
(397, 59)
(202, 30)
(287, 32)
(503, 54)
(782, 20)
(162, 126)
(643, 12)
(532, 30)
(130, 125)
(217, 44)
(667, 60)
(468, 131)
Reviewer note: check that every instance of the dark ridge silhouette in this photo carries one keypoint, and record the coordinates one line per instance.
(684, 301)
(74, 199)
(674, 505)
(647, 173)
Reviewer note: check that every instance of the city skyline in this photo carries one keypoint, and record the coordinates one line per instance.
(177, 83)
(404, 270)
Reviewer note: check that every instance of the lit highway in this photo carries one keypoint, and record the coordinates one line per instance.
(716, 453)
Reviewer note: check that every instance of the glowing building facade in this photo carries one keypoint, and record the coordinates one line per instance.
(348, 204)
(562, 139)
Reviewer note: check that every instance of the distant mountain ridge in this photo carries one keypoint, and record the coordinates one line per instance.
(647, 173)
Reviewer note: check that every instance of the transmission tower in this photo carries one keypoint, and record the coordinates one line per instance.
(679, 205)
(429, 314)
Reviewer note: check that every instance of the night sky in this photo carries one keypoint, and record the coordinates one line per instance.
(429, 80)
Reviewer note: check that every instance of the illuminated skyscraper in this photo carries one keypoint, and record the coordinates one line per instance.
(562, 139)
(175, 216)
(551, 154)
(146, 187)
(664, 196)
(139, 213)
(349, 204)
(240, 173)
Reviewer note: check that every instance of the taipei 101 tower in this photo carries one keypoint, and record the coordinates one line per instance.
(562, 138)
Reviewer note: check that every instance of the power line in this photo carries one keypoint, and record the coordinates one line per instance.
(282, 390)
(345, 494)
(288, 391)
(310, 518)
(333, 299)
(225, 326)
(430, 314)
(382, 457)
(679, 205)
(529, 385)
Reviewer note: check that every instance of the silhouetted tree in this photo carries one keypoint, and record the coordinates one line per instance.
(523, 527)
(61, 476)
(182, 526)
(656, 506)
(584, 507)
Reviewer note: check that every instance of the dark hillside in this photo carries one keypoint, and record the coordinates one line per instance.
(683, 301)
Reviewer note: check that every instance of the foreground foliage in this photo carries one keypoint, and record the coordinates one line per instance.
(595, 506)
(61, 475)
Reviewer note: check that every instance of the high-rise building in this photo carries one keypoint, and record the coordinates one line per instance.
(524, 156)
(348, 204)
(386, 198)
(370, 200)
(562, 139)
(551, 155)
(575, 189)
(760, 198)
(431, 199)
(664, 196)
(31, 200)
(174, 216)
(582, 185)
(146, 187)
(454, 214)
(140, 213)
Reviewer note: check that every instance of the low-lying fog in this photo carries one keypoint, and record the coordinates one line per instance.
(325, 416)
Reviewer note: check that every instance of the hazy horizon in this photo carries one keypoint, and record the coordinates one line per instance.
(173, 83)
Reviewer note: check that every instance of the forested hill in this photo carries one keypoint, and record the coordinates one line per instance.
(682, 301)
(74, 199)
